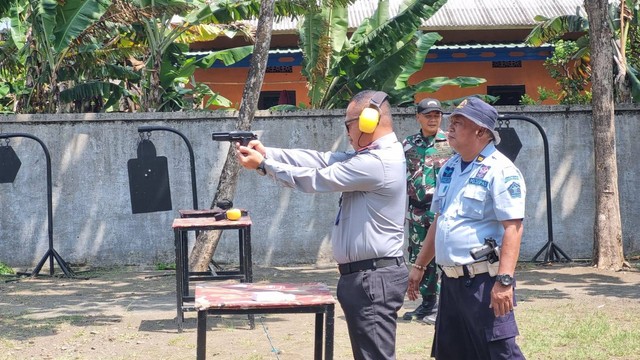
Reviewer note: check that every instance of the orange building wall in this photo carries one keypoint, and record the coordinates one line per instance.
(532, 74)
(229, 82)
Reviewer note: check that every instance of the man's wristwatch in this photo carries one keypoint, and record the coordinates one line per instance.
(261, 170)
(504, 279)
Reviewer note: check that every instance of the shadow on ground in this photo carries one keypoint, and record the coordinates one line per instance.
(558, 281)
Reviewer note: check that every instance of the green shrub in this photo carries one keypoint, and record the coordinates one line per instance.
(6, 269)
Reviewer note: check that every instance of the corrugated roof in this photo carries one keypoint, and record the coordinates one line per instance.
(499, 13)
(461, 14)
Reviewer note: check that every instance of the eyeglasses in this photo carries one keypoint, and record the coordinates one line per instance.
(348, 122)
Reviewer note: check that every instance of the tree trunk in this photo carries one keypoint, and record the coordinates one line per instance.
(607, 244)
(206, 243)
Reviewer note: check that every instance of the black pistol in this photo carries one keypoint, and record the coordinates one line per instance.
(490, 249)
(243, 137)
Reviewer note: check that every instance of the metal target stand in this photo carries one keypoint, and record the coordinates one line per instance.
(51, 253)
(147, 129)
(194, 192)
(552, 251)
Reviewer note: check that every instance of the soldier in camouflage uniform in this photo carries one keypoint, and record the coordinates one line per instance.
(425, 152)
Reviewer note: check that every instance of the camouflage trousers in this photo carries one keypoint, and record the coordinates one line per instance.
(429, 284)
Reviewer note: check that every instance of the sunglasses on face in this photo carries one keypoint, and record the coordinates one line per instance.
(348, 122)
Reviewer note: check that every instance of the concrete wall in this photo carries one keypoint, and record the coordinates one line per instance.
(93, 223)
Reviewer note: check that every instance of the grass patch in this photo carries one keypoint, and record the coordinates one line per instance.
(165, 266)
(568, 332)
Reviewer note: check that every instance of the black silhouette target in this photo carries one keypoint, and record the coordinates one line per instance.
(510, 144)
(9, 164)
(149, 180)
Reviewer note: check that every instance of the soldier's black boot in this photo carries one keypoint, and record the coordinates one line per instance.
(432, 310)
(410, 315)
(424, 309)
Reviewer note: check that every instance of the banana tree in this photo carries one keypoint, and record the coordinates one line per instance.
(622, 17)
(382, 53)
(43, 33)
(56, 55)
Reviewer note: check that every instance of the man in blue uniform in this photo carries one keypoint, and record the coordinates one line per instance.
(368, 234)
(480, 196)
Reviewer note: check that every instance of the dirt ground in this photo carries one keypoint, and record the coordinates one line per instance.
(129, 313)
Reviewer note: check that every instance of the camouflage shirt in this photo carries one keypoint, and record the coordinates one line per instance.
(425, 156)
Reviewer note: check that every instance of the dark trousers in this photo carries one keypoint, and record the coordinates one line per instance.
(370, 300)
(466, 327)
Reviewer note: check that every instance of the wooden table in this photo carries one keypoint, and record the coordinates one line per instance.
(181, 227)
(274, 298)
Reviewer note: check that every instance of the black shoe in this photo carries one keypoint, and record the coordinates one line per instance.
(428, 306)
(418, 313)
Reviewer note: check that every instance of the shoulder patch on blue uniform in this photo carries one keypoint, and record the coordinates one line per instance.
(511, 178)
(446, 174)
(514, 190)
(477, 181)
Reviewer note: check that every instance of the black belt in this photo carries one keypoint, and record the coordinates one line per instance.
(369, 264)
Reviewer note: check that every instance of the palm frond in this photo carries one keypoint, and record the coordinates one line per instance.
(406, 22)
(424, 43)
(228, 56)
(552, 29)
(75, 16)
(92, 90)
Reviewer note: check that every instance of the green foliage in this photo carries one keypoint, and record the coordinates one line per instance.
(112, 55)
(382, 53)
(528, 100)
(543, 94)
(284, 107)
(6, 269)
(571, 73)
(571, 76)
(625, 50)
(165, 266)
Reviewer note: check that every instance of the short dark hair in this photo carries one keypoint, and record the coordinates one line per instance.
(363, 97)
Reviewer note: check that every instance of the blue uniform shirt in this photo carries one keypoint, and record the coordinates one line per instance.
(473, 202)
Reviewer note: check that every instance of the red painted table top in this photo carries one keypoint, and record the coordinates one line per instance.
(187, 213)
(251, 295)
(200, 222)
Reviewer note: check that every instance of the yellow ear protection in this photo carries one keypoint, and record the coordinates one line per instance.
(370, 116)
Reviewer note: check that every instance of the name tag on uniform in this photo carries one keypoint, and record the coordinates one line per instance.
(480, 182)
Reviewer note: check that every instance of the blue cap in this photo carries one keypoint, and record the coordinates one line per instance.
(481, 113)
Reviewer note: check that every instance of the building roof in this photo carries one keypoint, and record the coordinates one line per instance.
(466, 14)
(499, 13)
